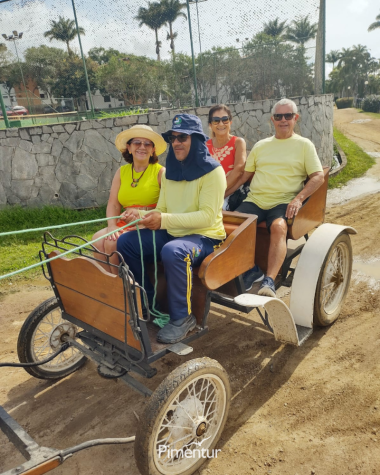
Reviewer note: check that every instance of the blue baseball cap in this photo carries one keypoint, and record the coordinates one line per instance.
(187, 124)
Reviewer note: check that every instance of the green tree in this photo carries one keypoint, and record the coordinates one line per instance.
(102, 55)
(70, 80)
(135, 80)
(152, 17)
(42, 64)
(354, 66)
(171, 10)
(63, 30)
(301, 31)
(275, 27)
(375, 24)
(10, 75)
(179, 80)
(333, 57)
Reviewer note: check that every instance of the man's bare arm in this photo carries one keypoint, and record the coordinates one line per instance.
(245, 177)
(315, 181)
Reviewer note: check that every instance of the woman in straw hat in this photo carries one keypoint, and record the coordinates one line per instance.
(135, 185)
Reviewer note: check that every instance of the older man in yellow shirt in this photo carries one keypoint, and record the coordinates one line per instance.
(278, 167)
(188, 221)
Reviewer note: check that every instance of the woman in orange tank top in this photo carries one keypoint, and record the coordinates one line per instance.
(227, 149)
(135, 185)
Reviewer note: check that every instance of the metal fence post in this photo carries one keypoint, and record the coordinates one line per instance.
(192, 55)
(84, 61)
(4, 110)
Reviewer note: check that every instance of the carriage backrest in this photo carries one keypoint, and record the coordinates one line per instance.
(93, 296)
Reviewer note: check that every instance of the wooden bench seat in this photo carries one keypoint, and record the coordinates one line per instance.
(93, 295)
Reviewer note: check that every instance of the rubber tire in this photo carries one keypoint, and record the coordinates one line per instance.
(320, 317)
(25, 354)
(168, 389)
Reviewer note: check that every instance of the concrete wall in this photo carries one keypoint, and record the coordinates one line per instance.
(73, 164)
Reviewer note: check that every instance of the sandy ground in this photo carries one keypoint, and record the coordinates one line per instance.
(294, 411)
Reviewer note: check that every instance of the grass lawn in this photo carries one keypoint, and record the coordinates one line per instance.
(374, 115)
(358, 162)
(22, 250)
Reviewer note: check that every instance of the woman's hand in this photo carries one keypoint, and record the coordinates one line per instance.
(130, 215)
(115, 235)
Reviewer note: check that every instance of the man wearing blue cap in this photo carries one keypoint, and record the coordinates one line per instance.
(188, 221)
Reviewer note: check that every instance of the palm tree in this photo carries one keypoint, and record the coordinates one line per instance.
(275, 28)
(171, 11)
(301, 31)
(375, 24)
(63, 30)
(152, 17)
(333, 57)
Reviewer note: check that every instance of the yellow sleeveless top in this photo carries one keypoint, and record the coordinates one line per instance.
(145, 193)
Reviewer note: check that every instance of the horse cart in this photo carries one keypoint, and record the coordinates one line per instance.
(97, 315)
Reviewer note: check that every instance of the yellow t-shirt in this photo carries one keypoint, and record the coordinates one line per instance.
(145, 193)
(281, 167)
(193, 207)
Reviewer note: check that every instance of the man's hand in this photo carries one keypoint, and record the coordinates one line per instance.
(152, 220)
(130, 215)
(293, 207)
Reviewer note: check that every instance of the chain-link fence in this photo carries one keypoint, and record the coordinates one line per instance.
(141, 54)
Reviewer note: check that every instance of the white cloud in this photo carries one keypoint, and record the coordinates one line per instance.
(358, 6)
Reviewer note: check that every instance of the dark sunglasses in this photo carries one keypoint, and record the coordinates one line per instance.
(287, 116)
(225, 119)
(140, 142)
(181, 138)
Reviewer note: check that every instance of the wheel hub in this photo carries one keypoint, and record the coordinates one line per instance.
(58, 332)
(201, 429)
(337, 278)
(188, 420)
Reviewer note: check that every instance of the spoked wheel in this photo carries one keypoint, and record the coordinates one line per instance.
(334, 280)
(41, 336)
(183, 419)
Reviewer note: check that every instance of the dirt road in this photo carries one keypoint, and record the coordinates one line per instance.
(311, 410)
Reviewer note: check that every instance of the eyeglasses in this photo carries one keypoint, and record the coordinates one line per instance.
(181, 138)
(287, 116)
(139, 143)
(225, 119)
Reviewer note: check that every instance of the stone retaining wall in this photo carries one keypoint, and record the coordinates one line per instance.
(73, 164)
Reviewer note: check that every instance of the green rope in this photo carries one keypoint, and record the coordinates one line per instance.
(67, 252)
(58, 226)
(161, 318)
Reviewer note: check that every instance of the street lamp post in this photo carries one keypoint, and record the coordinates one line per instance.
(192, 55)
(14, 37)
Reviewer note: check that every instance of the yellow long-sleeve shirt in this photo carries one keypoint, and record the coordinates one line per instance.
(193, 207)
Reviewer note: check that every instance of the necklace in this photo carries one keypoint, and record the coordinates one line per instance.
(135, 181)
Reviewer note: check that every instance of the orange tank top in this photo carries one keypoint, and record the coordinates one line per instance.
(224, 155)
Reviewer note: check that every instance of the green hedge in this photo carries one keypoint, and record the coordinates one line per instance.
(371, 103)
(344, 102)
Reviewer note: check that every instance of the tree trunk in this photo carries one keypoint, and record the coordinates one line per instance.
(157, 46)
(172, 39)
